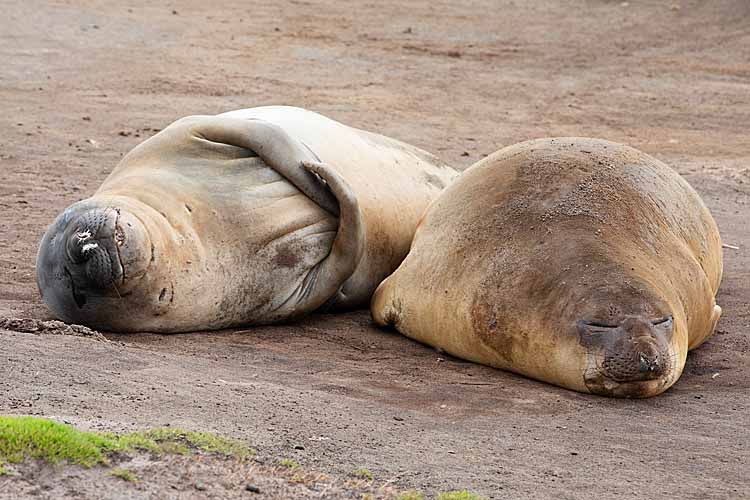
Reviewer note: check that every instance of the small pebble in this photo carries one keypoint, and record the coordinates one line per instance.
(252, 488)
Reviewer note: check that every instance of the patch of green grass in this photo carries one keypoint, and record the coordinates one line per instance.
(2, 470)
(289, 463)
(34, 438)
(459, 495)
(363, 473)
(180, 442)
(24, 438)
(411, 495)
(125, 475)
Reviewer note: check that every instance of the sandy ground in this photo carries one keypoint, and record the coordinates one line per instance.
(83, 82)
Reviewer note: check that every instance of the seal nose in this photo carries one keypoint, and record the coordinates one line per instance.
(648, 361)
(92, 251)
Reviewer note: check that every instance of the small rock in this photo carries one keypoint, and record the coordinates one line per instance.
(174, 12)
(408, 31)
(398, 419)
(252, 488)
(465, 153)
(299, 447)
(200, 486)
(86, 118)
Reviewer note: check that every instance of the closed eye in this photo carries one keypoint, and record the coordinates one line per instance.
(662, 321)
(594, 328)
(596, 324)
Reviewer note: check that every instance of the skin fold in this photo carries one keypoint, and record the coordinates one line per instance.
(579, 262)
(249, 217)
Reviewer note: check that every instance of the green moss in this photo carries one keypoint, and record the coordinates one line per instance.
(180, 442)
(459, 495)
(411, 495)
(363, 473)
(125, 475)
(24, 438)
(290, 464)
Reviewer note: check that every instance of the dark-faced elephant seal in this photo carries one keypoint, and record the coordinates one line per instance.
(579, 262)
(248, 217)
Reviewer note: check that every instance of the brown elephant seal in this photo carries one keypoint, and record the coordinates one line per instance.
(580, 262)
(248, 217)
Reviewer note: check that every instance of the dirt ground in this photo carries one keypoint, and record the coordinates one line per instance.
(82, 82)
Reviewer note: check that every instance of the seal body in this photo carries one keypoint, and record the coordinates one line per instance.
(579, 262)
(253, 216)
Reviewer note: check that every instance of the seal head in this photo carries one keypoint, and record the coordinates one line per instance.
(629, 354)
(90, 254)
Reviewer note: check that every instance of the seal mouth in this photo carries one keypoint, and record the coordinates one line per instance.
(634, 390)
(90, 254)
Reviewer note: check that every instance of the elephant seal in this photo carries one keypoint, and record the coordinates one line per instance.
(247, 217)
(579, 262)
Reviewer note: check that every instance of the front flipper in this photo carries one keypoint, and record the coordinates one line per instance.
(324, 282)
(319, 182)
(275, 147)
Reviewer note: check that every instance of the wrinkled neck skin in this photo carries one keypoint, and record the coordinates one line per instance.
(117, 263)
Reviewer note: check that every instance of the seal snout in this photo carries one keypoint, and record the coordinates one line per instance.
(89, 254)
(630, 358)
(92, 251)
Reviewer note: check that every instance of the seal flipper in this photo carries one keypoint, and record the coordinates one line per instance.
(319, 182)
(349, 246)
(275, 147)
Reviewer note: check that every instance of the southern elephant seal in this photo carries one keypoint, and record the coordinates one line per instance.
(579, 262)
(247, 217)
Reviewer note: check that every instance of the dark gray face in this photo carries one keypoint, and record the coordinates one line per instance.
(632, 357)
(90, 254)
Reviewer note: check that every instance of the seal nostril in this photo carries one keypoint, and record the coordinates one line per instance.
(647, 364)
(162, 294)
(80, 245)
